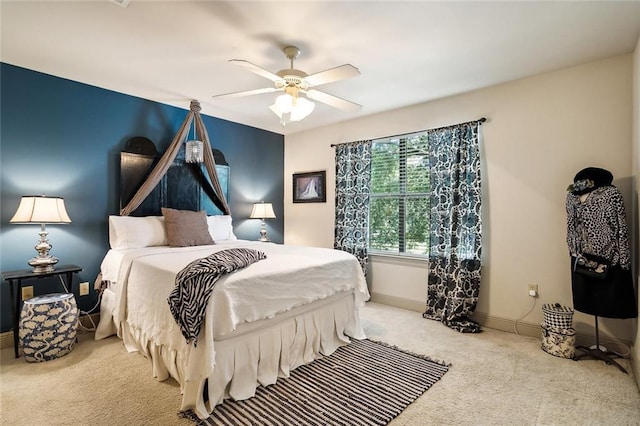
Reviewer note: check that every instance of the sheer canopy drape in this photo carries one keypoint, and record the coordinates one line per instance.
(353, 179)
(455, 226)
(167, 159)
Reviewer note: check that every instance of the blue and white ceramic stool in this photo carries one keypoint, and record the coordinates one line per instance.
(48, 326)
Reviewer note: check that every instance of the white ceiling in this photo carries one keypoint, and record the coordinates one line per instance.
(407, 52)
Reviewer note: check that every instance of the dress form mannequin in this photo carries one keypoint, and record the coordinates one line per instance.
(597, 236)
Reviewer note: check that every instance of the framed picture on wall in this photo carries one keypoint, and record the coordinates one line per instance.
(310, 187)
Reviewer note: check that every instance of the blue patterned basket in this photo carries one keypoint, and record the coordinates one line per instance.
(48, 326)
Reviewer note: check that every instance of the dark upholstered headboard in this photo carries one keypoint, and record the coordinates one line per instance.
(185, 186)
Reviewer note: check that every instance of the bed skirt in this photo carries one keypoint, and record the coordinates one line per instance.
(254, 355)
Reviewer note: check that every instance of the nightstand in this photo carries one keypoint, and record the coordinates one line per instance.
(18, 277)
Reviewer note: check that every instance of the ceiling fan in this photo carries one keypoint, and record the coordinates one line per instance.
(291, 106)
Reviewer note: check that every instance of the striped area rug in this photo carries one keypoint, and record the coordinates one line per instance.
(363, 383)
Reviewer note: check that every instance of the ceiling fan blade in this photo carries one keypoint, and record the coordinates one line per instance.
(256, 69)
(247, 93)
(333, 101)
(334, 74)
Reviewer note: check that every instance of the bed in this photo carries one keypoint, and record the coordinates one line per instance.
(261, 321)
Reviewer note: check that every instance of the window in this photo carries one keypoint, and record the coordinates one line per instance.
(399, 206)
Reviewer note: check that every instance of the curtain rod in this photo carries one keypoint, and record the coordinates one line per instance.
(479, 120)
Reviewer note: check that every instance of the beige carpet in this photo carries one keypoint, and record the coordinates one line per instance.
(496, 378)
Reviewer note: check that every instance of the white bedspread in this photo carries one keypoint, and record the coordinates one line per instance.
(289, 277)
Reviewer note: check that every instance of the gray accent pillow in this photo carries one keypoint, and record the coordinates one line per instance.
(186, 228)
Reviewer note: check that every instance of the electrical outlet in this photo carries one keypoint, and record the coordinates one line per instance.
(27, 292)
(533, 290)
(84, 288)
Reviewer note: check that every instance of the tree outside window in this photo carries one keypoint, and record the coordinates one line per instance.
(399, 206)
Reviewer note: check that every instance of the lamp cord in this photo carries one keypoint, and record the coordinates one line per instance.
(87, 313)
(515, 324)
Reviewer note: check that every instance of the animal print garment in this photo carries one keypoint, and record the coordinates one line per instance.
(597, 226)
(194, 284)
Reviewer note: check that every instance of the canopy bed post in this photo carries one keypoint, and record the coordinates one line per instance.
(167, 159)
(239, 348)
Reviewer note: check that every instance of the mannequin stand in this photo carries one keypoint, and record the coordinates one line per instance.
(597, 352)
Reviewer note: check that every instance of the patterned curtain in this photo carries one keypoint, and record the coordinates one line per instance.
(455, 226)
(353, 179)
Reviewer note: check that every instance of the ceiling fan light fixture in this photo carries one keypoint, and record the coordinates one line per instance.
(275, 110)
(289, 108)
(284, 117)
(302, 108)
(284, 103)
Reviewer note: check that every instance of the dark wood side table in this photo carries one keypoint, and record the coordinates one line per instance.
(28, 274)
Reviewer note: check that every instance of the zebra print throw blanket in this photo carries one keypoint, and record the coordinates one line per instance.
(194, 284)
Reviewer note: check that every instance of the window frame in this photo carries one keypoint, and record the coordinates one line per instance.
(402, 196)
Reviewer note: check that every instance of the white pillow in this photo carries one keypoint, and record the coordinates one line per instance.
(137, 232)
(220, 228)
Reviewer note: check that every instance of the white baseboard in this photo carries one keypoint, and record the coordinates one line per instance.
(502, 324)
(6, 338)
(508, 325)
(398, 302)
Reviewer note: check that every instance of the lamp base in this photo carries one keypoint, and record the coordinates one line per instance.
(43, 262)
(263, 233)
(263, 236)
(43, 265)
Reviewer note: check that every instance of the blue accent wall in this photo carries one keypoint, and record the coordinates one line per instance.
(63, 138)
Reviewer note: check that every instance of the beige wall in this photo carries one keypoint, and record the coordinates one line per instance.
(636, 175)
(540, 131)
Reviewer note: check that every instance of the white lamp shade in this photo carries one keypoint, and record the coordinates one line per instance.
(301, 109)
(275, 110)
(41, 209)
(288, 108)
(262, 211)
(284, 103)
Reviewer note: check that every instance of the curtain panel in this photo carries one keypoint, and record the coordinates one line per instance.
(353, 181)
(455, 226)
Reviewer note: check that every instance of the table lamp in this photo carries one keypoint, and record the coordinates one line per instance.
(263, 211)
(42, 210)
